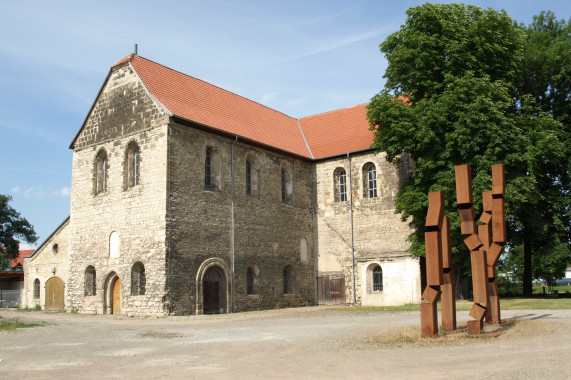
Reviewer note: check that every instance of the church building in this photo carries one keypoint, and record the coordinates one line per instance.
(189, 199)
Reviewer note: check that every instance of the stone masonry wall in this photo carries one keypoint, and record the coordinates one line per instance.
(379, 234)
(46, 263)
(267, 232)
(123, 113)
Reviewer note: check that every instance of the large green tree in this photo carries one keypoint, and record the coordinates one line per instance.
(450, 98)
(546, 75)
(13, 228)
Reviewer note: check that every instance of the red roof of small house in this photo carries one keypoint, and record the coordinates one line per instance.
(20, 259)
(317, 136)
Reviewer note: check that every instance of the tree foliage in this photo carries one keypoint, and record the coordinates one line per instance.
(13, 228)
(452, 97)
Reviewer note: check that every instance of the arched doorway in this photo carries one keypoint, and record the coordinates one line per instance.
(214, 291)
(54, 294)
(213, 287)
(112, 297)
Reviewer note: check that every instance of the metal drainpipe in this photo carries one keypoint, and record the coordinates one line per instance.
(352, 235)
(233, 228)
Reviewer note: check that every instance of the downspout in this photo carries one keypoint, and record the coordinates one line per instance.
(352, 235)
(233, 242)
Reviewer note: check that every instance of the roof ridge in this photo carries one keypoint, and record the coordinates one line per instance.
(337, 110)
(203, 81)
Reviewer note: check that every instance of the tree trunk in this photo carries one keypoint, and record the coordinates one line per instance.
(527, 266)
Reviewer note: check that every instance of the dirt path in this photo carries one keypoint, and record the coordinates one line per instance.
(294, 343)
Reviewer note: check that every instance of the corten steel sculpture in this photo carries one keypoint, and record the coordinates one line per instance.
(433, 244)
(483, 253)
(448, 297)
(496, 198)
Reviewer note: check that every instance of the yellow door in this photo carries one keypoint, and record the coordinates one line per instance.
(117, 297)
(54, 294)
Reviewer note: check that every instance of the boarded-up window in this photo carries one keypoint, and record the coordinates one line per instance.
(212, 175)
(138, 279)
(287, 185)
(253, 279)
(90, 281)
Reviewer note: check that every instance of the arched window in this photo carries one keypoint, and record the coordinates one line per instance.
(138, 279)
(369, 180)
(90, 281)
(289, 280)
(37, 288)
(211, 169)
(114, 245)
(340, 183)
(287, 185)
(252, 176)
(208, 169)
(303, 251)
(248, 178)
(375, 278)
(101, 168)
(253, 278)
(132, 164)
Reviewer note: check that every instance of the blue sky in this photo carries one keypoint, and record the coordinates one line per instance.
(298, 57)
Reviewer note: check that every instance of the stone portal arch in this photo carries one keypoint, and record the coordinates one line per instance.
(213, 281)
(112, 294)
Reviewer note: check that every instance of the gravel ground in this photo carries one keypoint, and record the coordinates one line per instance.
(313, 342)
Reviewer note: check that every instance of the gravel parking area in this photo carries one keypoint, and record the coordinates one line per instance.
(313, 342)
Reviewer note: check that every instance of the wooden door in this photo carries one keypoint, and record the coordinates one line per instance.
(54, 294)
(116, 297)
(211, 297)
(331, 289)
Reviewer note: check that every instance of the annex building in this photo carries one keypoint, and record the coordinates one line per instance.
(189, 199)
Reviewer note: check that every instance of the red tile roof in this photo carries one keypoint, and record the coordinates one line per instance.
(20, 259)
(337, 132)
(327, 134)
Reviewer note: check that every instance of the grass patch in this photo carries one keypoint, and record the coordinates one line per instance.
(535, 303)
(466, 305)
(13, 324)
(410, 336)
(35, 308)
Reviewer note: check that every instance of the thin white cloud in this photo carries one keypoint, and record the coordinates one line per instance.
(343, 42)
(268, 97)
(63, 192)
(39, 192)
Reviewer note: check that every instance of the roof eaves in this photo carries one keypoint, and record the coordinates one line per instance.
(343, 154)
(196, 124)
